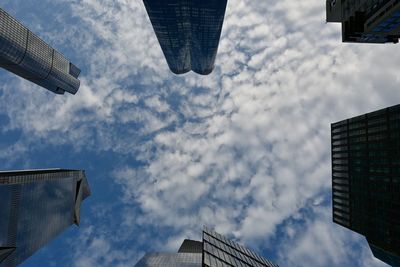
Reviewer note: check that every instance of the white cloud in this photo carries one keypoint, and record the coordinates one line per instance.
(243, 149)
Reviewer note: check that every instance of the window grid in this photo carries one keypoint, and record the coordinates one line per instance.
(230, 253)
(365, 171)
(26, 55)
(188, 32)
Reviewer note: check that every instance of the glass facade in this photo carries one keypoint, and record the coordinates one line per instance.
(220, 251)
(366, 21)
(188, 32)
(170, 260)
(28, 56)
(366, 177)
(214, 251)
(36, 206)
(191, 246)
(389, 258)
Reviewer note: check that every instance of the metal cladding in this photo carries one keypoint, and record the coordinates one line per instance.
(28, 56)
(188, 31)
(36, 206)
(366, 21)
(366, 179)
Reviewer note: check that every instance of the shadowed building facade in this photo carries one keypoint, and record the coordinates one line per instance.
(26, 55)
(366, 21)
(36, 206)
(188, 32)
(214, 250)
(366, 179)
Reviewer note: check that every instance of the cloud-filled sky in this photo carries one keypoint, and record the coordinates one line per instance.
(245, 150)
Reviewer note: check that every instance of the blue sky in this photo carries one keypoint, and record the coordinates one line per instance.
(245, 150)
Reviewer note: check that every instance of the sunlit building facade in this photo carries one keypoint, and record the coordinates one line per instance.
(366, 21)
(213, 251)
(366, 179)
(188, 32)
(35, 207)
(26, 55)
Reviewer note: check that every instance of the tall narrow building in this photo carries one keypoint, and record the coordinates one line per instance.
(366, 21)
(26, 55)
(214, 250)
(366, 179)
(36, 206)
(188, 31)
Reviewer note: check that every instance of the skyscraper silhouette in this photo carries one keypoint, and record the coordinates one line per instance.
(26, 55)
(366, 21)
(36, 206)
(188, 32)
(215, 250)
(366, 179)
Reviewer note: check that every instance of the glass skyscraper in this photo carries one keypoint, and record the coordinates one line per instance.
(188, 31)
(366, 21)
(214, 250)
(26, 55)
(36, 206)
(366, 179)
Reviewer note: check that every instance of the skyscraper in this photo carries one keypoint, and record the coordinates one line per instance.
(36, 206)
(188, 32)
(215, 250)
(366, 179)
(366, 21)
(26, 55)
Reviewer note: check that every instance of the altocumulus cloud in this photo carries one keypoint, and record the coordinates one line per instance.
(246, 149)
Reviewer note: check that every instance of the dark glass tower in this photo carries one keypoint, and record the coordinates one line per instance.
(36, 206)
(366, 21)
(28, 56)
(366, 179)
(214, 251)
(188, 32)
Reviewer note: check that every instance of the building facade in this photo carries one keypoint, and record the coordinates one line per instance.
(35, 207)
(188, 32)
(170, 260)
(26, 55)
(366, 21)
(366, 179)
(214, 250)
